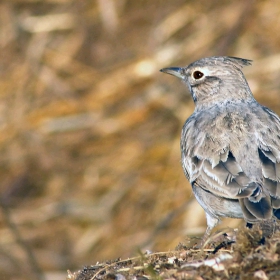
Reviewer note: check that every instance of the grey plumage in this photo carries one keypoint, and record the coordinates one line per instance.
(230, 145)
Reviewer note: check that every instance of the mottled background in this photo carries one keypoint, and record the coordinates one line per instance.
(90, 129)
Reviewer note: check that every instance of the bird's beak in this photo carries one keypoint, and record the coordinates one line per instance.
(175, 71)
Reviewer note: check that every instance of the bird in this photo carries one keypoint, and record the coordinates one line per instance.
(230, 145)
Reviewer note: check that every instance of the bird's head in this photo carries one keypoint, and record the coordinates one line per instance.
(213, 79)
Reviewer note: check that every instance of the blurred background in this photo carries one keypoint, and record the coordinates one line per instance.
(90, 129)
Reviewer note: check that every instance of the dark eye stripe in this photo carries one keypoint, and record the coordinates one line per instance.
(197, 75)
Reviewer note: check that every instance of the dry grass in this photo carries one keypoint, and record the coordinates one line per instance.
(89, 129)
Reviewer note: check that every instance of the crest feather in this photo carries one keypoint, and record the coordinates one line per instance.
(238, 62)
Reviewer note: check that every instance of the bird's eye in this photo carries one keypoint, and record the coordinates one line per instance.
(197, 75)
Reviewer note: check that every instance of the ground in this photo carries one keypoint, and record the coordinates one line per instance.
(244, 254)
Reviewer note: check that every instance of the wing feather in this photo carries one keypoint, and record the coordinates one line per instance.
(212, 164)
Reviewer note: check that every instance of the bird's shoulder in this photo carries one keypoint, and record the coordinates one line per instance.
(213, 128)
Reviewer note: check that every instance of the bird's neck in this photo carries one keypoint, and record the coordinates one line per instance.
(223, 99)
(222, 94)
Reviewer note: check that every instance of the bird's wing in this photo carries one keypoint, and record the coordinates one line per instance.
(220, 175)
(269, 154)
(226, 179)
(212, 165)
(268, 139)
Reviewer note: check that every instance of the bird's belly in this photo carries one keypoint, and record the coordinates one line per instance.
(217, 206)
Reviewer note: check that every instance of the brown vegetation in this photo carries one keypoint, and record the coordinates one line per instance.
(89, 140)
